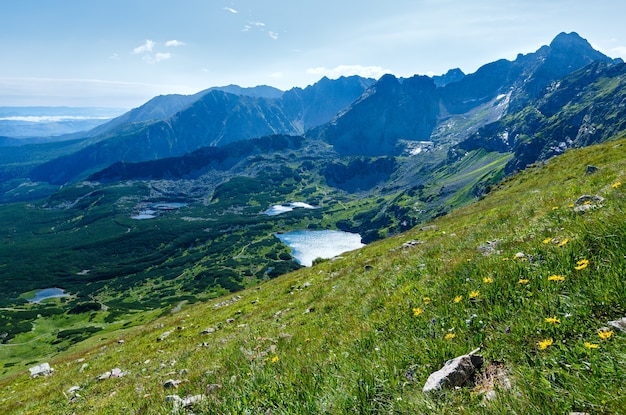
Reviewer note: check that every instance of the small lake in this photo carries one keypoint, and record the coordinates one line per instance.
(308, 245)
(47, 293)
(278, 209)
(152, 211)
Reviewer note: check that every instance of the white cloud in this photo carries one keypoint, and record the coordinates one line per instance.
(150, 55)
(258, 24)
(145, 48)
(174, 43)
(273, 35)
(162, 56)
(246, 28)
(348, 70)
(230, 9)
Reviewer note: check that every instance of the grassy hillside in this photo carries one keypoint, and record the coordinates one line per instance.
(519, 274)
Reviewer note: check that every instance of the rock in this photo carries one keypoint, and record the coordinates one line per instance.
(454, 373)
(412, 243)
(208, 330)
(489, 247)
(429, 228)
(587, 202)
(184, 402)
(73, 389)
(43, 369)
(163, 336)
(591, 169)
(619, 324)
(171, 383)
(114, 373)
(586, 199)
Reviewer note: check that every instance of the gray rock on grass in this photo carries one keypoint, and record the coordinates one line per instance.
(455, 372)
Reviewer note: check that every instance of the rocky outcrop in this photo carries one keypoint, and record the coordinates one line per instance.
(455, 372)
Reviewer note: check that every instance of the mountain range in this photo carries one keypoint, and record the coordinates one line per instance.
(357, 116)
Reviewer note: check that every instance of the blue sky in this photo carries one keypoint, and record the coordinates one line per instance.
(116, 53)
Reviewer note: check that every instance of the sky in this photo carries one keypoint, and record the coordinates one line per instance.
(121, 53)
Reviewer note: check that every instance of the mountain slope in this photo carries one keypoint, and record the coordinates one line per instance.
(583, 108)
(519, 274)
(174, 125)
(421, 109)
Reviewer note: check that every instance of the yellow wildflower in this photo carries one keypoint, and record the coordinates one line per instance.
(505, 259)
(552, 320)
(547, 240)
(426, 300)
(591, 345)
(450, 336)
(556, 278)
(571, 205)
(275, 359)
(523, 281)
(582, 264)
(474, 294)
(458, 298)
(555, 207)
(605, 334)
(544, 344)
(616, 185)
(488, 280)
(417, 311)
(563, 242)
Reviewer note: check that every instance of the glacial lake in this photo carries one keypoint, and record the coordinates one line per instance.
(308, 245)
(278, 209)
(47, 293)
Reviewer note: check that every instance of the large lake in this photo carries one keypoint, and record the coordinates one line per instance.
(308, 245)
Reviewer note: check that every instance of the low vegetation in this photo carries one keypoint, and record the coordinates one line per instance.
(531, 274)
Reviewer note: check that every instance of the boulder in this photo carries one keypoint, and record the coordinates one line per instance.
(43, 369)
(455, 372)
(619, 324)
(184, 402)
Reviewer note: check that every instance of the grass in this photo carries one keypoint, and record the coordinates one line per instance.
(345, 337)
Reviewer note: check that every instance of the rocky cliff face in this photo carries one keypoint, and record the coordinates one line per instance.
(388, 112)
(586, 107)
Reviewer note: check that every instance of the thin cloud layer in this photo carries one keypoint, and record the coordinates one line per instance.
(230, 9)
